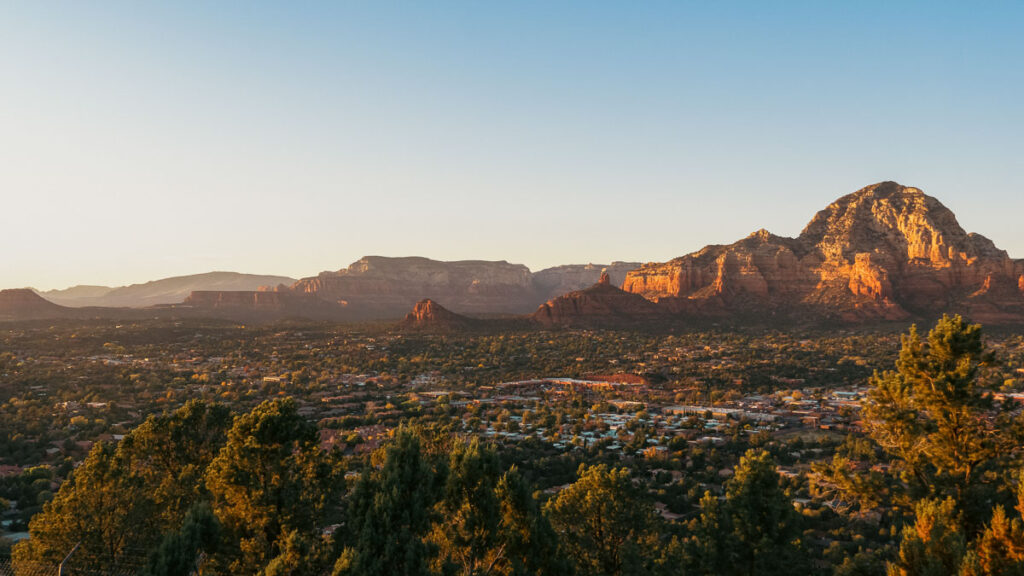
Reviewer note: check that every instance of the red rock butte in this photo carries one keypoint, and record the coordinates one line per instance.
(885, 252)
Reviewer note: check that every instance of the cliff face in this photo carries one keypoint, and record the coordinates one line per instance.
(884, 252)
(390, 286)
(749, 274)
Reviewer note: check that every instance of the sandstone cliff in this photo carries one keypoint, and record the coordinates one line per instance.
(388, 287)
(885, 252)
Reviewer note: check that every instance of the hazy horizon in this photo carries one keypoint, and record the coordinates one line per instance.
(147, 141)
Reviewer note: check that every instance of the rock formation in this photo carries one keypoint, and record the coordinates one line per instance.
(428, 315)
(885, 252)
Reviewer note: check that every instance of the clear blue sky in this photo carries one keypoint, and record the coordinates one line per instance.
(141, 140)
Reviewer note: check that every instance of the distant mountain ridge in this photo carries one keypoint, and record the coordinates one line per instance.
(164, 291)
(883, 253)
(383, 287)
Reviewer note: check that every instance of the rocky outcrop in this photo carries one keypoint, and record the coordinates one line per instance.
(430, 316)
(885, 252)
(602, 304)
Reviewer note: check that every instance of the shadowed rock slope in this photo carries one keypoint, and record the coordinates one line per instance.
(430, 316)
(601, 304)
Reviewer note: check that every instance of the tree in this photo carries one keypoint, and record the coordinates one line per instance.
(707, 543)
(170, 453)
(937, 422)
(178, 552)
(934, 545)
(606, 527)
(489, 524)
(999, 550)
(269, 479)
(102, 506)
(763, 525)
(390, 514)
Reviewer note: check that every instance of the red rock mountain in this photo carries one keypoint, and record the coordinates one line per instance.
(885, 252)
(602, 303)
(431, 316)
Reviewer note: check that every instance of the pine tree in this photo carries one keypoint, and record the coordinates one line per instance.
(269, 479)
(179, 551)
(999, 550)
(390, 514)
(605, 525)
(936, 420)
(764, 527)
(707, 542)
(102, 506)
(934, 545)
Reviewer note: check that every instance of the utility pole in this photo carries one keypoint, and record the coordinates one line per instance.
(60, 569)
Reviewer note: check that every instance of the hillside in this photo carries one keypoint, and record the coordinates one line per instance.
(164, 291)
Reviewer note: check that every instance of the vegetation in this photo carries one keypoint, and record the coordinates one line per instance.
(313, 452)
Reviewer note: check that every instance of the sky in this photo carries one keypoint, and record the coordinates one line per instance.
(142, 140)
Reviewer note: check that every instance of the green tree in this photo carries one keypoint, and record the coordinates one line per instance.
(179, 552)
(489, 523)
(934, 545)
(764, 527)
(707, 542)
(390, 514)
(605, 525)
(936, 420)
(999, 550)
(170, 453)
(269, 479)
(102, 506)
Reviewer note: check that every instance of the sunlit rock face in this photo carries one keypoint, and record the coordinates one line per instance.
(885, 252)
